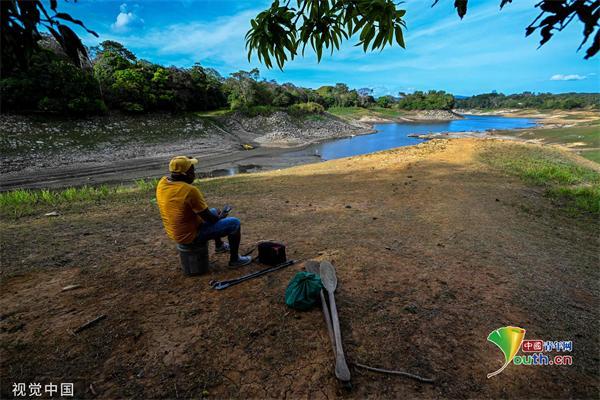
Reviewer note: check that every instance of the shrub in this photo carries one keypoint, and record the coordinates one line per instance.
(255, 111)
(306, 108)
(132, 107)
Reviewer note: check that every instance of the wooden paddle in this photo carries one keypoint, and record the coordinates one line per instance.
(314, 266)
(329, 280)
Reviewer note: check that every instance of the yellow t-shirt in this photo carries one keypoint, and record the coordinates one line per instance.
(178, 203)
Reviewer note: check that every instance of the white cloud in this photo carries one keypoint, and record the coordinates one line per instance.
(572, 77)
(126, 20)
(221, 40)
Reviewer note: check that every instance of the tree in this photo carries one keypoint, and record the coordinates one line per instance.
(283, 30)
(110, 57)
(51, 84)
(241, 88)
(531, 100)
(385, 101)
(20, 20)
(132, 90)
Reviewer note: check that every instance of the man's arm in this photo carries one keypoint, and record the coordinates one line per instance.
(209, 217)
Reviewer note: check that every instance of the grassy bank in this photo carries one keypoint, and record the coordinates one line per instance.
(360, 112)
(19, 203)
(569, 183)
(582, 138)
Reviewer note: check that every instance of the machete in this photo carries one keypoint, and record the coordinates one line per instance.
(220, 285)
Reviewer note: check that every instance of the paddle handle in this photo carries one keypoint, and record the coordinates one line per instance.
(328, 321)
(342, 372)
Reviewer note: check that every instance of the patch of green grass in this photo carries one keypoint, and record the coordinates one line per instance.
(21, 203)
(213, 113)
(539, 165)
(592, 155)
(348, 111)
(358, 112)
(575, 185)
(578, 198)
(18, 203)
(388, 112)
(586, 133)
(314, 117)
(146, 185)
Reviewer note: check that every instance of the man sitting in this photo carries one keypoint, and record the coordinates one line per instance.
(186, 216)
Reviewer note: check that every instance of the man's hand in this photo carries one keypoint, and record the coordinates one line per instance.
(209, 217)
(226, 211)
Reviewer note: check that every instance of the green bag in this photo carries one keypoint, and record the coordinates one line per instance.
(303, 290)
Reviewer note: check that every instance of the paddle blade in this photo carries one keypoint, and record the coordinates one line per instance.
(328, 277)
(312, 266)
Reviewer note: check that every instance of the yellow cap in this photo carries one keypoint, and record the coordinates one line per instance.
(181, 164)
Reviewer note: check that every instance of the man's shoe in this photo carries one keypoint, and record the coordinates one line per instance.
(242, 260)
(224, 248)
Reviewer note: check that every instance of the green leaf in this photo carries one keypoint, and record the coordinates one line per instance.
(399, 37)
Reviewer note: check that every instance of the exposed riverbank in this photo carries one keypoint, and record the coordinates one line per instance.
(43, 153)
(51, 153)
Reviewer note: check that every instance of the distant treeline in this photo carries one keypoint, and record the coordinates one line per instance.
(431, 100)
(115, 79)
(563, 101)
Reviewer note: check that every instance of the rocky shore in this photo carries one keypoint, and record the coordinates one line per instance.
(283, 130)
(32, 143)
(436, 115)
(414, 116)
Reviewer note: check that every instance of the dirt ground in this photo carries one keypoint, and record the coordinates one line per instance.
(433, 250)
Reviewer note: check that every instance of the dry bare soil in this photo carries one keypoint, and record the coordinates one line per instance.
(433, 250)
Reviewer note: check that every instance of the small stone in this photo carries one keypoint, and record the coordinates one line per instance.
(52, 214)
(70, 287)
(348, 206)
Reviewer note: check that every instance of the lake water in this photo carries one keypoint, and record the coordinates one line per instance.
(395, 135)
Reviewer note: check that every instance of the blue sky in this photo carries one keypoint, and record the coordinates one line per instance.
(485, 51)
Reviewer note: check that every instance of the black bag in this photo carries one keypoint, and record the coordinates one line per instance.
(271, 253)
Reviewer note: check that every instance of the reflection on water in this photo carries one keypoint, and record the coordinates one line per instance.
(395, 135)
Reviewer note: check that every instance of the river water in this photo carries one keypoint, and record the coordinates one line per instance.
(395, 135)
(387, 136)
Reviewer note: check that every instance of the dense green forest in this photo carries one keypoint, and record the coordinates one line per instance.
(115, 79)
(564, 101)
